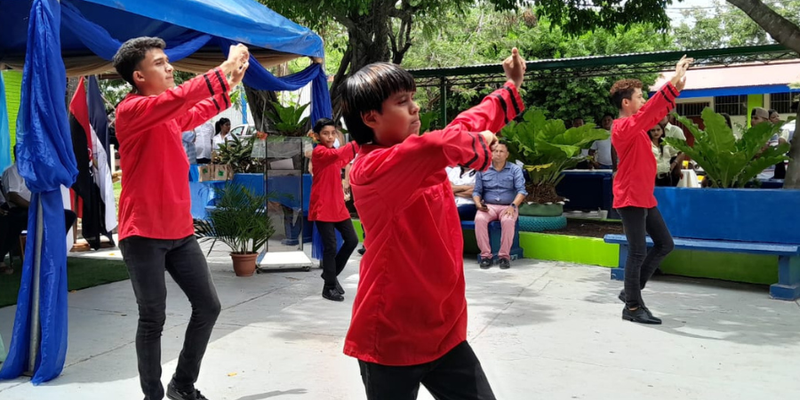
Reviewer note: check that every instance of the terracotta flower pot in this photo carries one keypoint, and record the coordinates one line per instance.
(244, 264)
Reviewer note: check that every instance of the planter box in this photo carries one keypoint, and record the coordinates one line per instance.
(746, 215)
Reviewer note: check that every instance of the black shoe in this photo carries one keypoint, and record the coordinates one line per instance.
(339, 287)
(176, 394)
(505, 263)
(639, 315)
(623, 299)
(332, 294)
(486, 263)
(362, 250)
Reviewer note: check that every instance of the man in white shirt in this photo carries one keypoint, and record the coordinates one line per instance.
(601, 149)
(203, 142)
(670, 130)
(19, 197)
(463, 183)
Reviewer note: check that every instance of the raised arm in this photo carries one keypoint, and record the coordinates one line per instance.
(323, 156)
(204, 110)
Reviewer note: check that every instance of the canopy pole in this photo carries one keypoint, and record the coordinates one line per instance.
(36, 332)
(443, 101)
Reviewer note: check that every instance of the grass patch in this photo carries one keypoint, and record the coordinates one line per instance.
(82, 273)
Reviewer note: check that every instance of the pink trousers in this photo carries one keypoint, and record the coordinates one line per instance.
(482, 219)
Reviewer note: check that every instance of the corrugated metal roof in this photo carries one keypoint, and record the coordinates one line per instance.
(703, 57)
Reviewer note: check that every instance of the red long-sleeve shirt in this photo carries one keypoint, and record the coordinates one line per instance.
(636, 172)
(155, 201)
(410, 307)
(327, 197)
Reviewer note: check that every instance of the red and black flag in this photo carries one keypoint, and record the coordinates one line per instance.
(89, 126)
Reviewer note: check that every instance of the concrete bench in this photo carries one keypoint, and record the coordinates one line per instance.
(788, 286)
(495, 234)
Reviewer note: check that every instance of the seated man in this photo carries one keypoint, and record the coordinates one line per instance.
(18, 197)
(498, 193)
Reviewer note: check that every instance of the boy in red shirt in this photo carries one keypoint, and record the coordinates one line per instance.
(327, 207)
(635, 181)
(156, 231)
(409, 323)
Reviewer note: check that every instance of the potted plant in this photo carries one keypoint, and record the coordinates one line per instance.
(730, 162)
(237, 153)
(546, 148)
(239, 220)
(731, 208)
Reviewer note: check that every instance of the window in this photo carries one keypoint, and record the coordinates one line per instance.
(732, 105)
(784, 103)
(690, 109)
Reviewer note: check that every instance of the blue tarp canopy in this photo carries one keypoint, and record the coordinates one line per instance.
(49, 38)
(244, 21)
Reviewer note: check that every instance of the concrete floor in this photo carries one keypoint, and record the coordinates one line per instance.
(543, 330)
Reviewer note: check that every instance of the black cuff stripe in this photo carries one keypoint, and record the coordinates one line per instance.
(513, 99)
(671, 90)
(216, 104)
(486, 154)
(504, 106)
(208, 83)
(672, 103)
(222, 82)
(474, 151)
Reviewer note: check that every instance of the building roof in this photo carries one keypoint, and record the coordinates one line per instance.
(748, 78)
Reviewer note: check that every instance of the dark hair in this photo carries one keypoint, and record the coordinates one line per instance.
(623, 90)
(322, 123)
(218, 125)
(607, 115)
(772, 111)
(727, 119)
(366, 90)
(131, 53)
(577, 119)
(660, 138)
(503, 142)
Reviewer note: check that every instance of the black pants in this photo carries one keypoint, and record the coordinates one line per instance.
(204, 161)
(457, 375)
(12, 225)
(146, 260)
(466, 212)
(641, 263)
(332, 262)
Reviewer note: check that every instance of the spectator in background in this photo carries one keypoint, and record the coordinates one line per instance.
(188, 138)
(222, 127)
(498, 193)
(668, 159)
(774, 116)
(670, 128)
(204, 142)
(462, 180)
(601, 149)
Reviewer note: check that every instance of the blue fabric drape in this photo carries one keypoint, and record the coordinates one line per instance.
(5, 133)
(100, 42)
(46, 161)
(257, 77)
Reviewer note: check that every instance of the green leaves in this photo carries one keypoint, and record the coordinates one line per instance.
(730, 162)
(237, 153)
(240, 220)
(288, 120)
(547, 148)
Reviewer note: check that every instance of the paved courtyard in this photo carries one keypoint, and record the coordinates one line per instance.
(543, 330)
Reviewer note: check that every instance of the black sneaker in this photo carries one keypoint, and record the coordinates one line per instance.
(339, 287)
(486, 263)
(639, 315)
(176, 394)
(332, 294)
(623, 299)
(362, 250)
(505, 263)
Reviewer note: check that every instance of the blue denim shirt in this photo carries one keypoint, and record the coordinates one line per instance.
(500, 187)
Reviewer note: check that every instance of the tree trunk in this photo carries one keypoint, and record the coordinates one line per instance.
(792, 180)
(781, 29)
(260, 101)
(788, 34)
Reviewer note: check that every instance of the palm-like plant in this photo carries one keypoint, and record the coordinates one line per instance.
(727, 161)
(240, 220)
(546, 148)
(288, 120)
(237, 153)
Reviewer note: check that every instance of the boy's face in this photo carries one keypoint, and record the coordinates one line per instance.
(398, 120)
(154, 74)
(606, 122)
(327, 136)
(635, 103)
